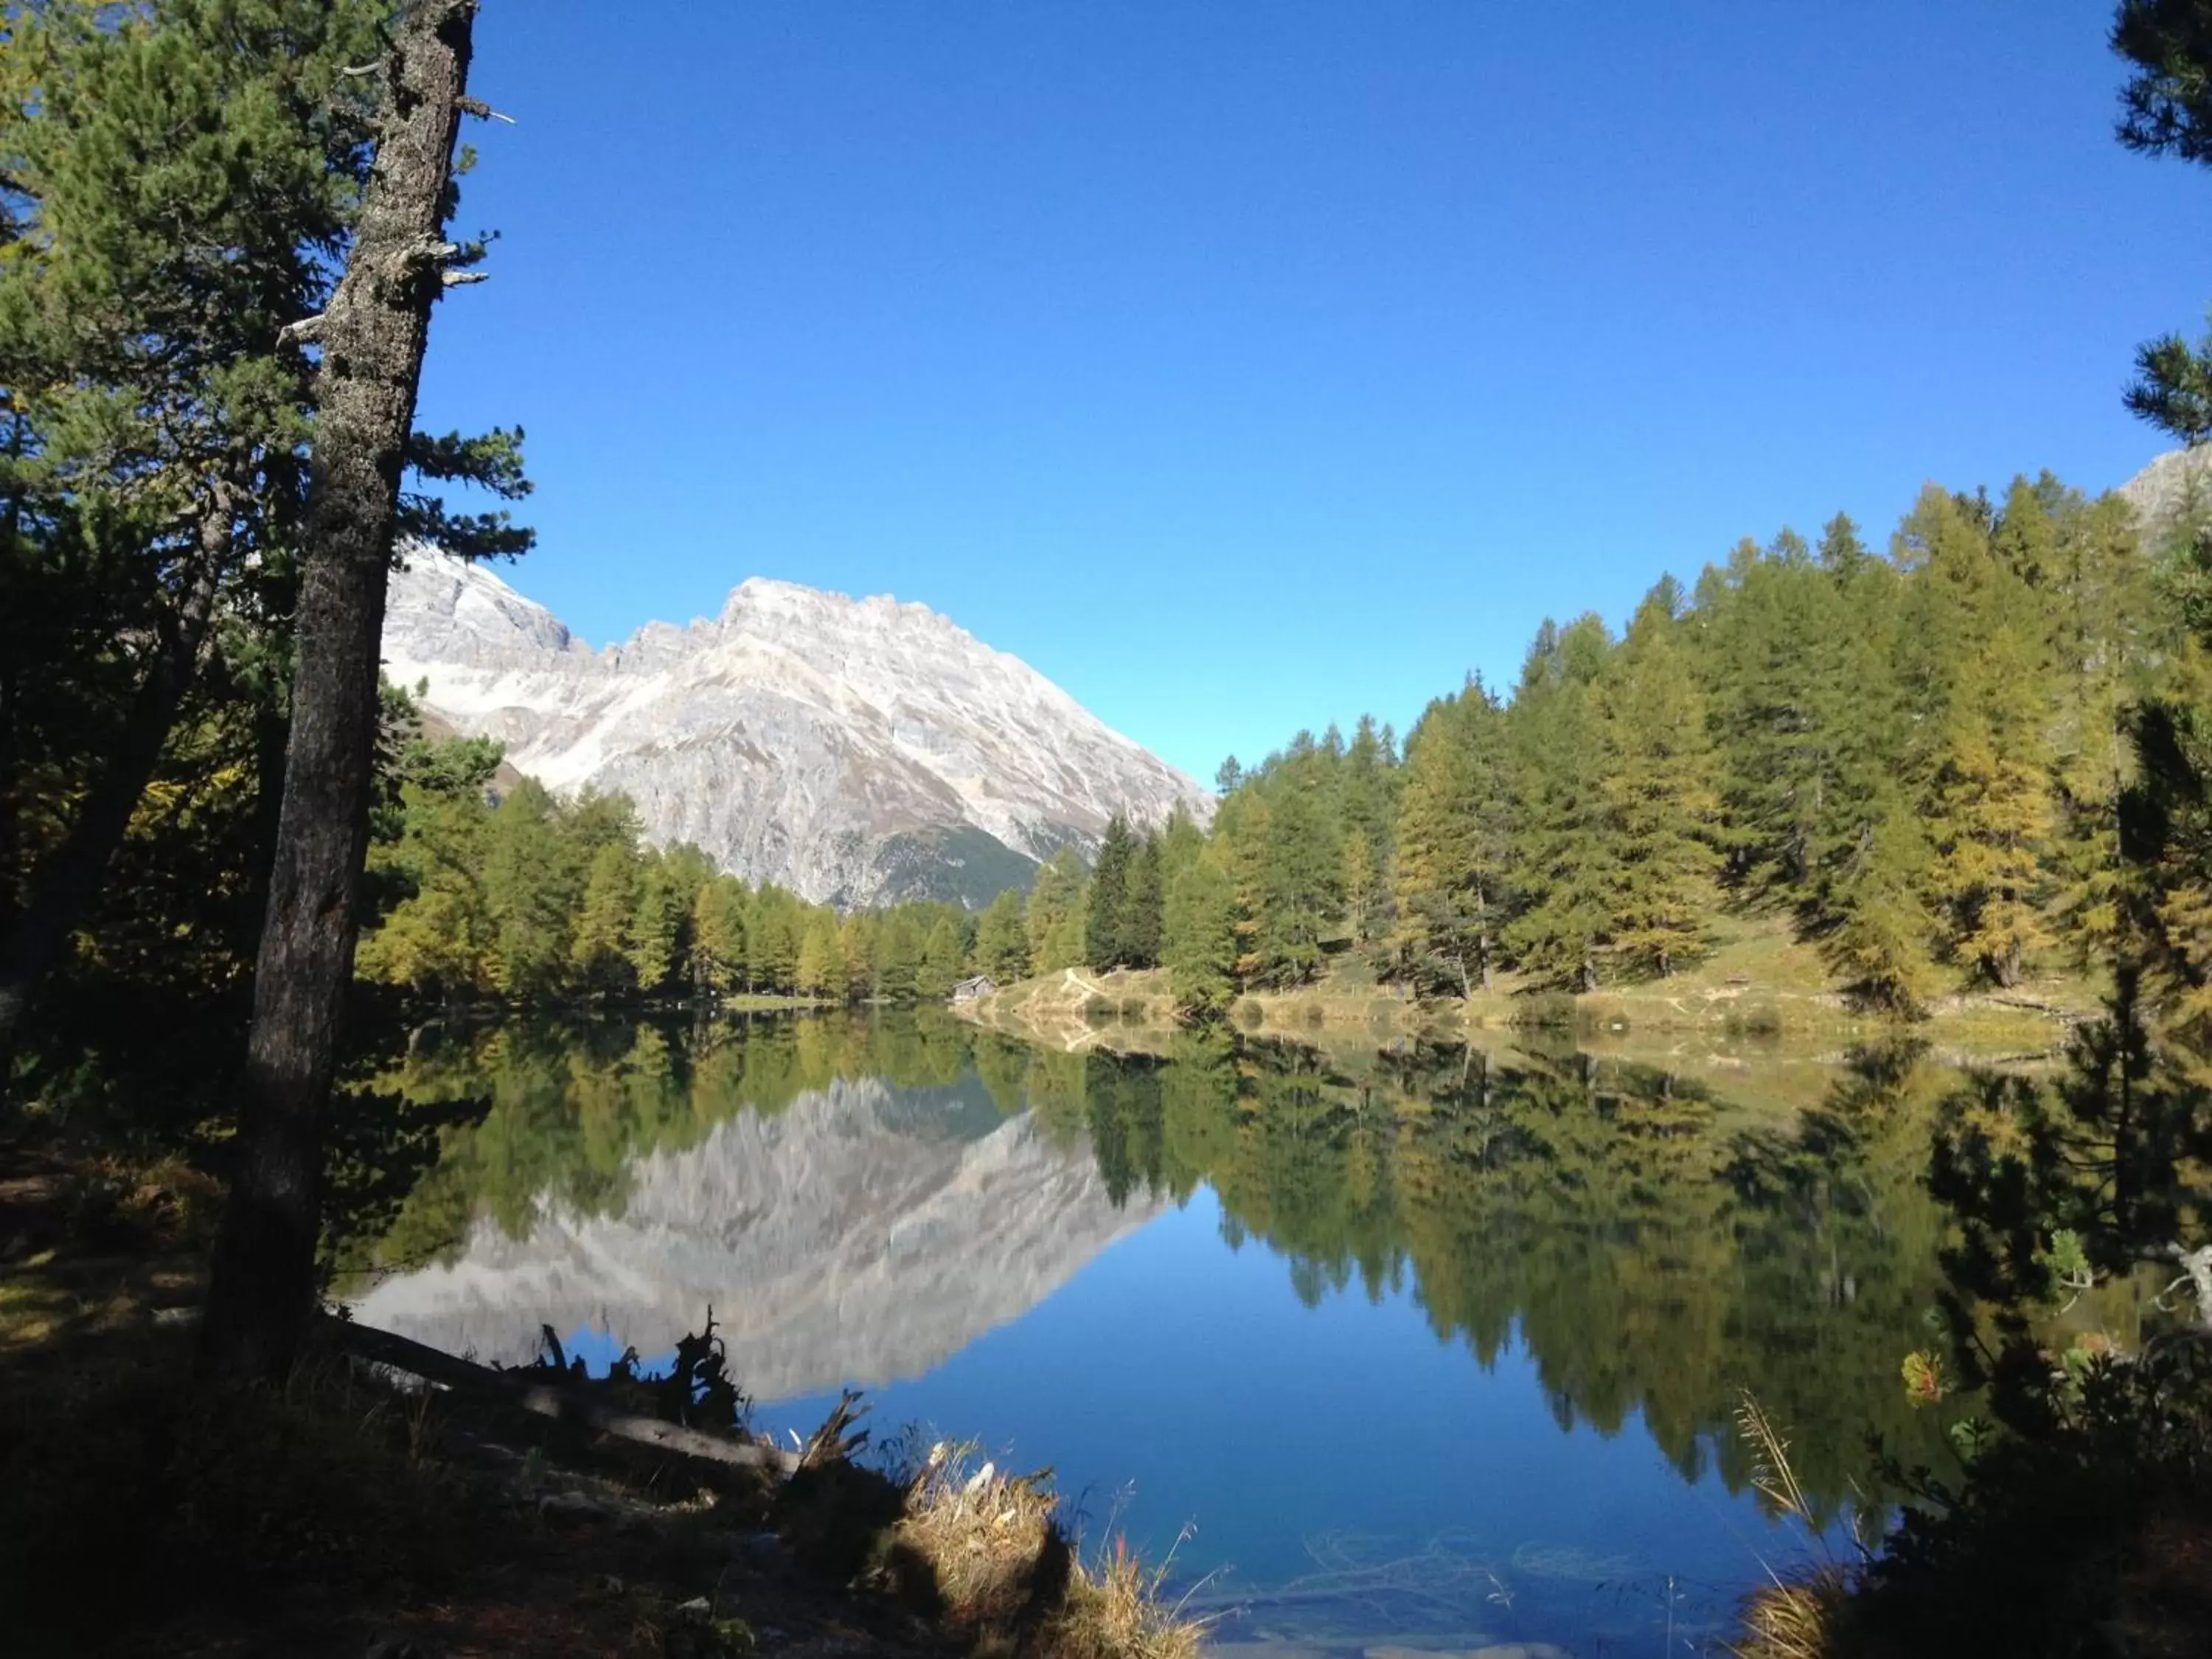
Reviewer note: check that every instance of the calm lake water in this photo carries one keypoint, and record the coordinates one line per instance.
(1440, 1347)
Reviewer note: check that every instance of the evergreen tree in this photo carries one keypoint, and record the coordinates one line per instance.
(1361, 882)
(718, 934)
(1301, 853)
(1137, 932)
(178, 180)
(2108, 656)
(856, 944)
(1367, 799)
(939, 969)
(774, 929)
(1564, 853)
(1240, 830)
(1454, 842)
(1986, 689)
(1107, 910)
(820, 969)
(1180, 842)
(660, 944)
(1057, 915)
(1002, 940)
(437, 936)
(533, 886)
(372, 334)
(898, 957)
(1199, 936)
(601, 950)
(1771, 662)
(1660, 796)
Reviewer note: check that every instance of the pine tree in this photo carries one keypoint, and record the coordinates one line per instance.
(1771, 656)
(773, 931)
(1302, 856)
(1661, 795)
(1198, 942)
(939, 969)
(820, 969)
(177, 181)
(1180, 842)
(1453, 843)
(1361, 882)
(601, 950)
(1987, 797)
(1137, 932)
(660, 948)
(1057, 915)
(373, 335)
(2108, 658)
(437, 936)
(1991, 813)
(1002, 940)
(1366, 803)
(898, 957)
(856, 944)
(718, 934)
(533, 889)
(1842, 554)
(1107, 905)
(1240, 833)
(1564, 853)
(1864, 905)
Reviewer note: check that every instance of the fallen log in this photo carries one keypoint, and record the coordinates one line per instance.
(530, 1391)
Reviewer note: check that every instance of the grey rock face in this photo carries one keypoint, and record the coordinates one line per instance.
(859, 1236)
(2175, 487)
(854, 750)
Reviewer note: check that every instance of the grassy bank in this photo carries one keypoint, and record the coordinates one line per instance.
(345, 1514)
(1760, 992)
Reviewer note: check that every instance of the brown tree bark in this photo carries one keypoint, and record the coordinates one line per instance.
(373, 337)
(67, 880)
(11, 688)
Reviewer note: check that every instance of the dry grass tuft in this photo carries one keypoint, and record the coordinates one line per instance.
(1795, 1618)
(981, 1533)
(1800, 1616)
(1116, 1608)
(1005, 1571)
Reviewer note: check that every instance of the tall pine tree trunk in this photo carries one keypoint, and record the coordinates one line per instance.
(11, 695)
(373, 337)
(67, 881)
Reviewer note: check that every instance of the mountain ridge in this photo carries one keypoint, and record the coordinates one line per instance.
(857, 751)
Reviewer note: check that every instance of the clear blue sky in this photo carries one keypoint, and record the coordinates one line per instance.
(1246, 364)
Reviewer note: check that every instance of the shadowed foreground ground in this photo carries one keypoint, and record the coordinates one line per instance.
(340, 1516)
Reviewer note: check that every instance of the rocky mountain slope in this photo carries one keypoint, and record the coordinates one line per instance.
(857, 751)
(2173, 484)
(861, 1235)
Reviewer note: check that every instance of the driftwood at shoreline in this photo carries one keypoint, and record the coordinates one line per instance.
(529, 1391)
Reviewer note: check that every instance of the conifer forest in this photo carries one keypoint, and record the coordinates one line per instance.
(471, 1183)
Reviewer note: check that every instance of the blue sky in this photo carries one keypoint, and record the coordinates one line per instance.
(1245, 366)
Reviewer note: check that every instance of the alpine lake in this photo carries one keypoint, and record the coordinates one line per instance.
(1427, 1347)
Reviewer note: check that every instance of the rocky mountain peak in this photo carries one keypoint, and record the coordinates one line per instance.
(854, 750)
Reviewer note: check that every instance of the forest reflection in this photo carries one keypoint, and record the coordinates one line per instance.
(1659, 1243)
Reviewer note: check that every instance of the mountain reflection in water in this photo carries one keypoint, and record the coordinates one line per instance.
(998, 1241)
